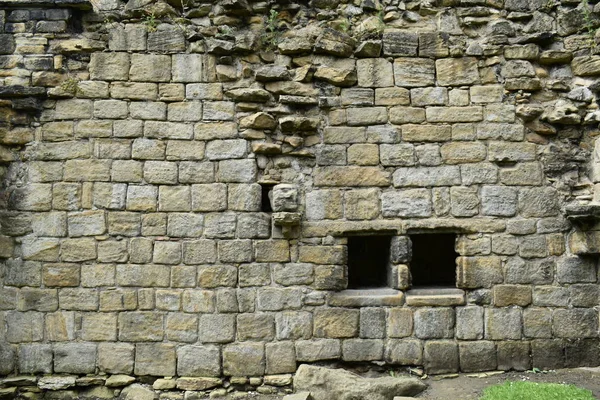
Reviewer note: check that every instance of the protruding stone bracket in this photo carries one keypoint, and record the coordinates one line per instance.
(287, 221)
(585, 240)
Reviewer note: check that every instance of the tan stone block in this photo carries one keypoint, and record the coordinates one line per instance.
(150, 68)
(134, 91)
(363, 154)
(454, 114)
(140, 326)
(128, 171)
(94, 275)
(87, 170)
(60, 326)
(98, 327)
(74, 250)
(512, 295)
(185, 150)
(362, 204)
(60, 275)
(37, 299)
(174, 198)
(336, 323)
(457, 71)
(198, 301)
(124, 223)
(272, 251)
(78, 299)
(259, 327)
(116, 358)
(324, 204)
(322, 254)
(399, 322)
(463, 152)
(118, 300)
(393, 96)
(426, 133)
(476, 272)
(556, 244)
(143, 275)
(212, 276)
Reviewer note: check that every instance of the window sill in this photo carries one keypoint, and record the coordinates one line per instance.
(367, 298)
(435, 297)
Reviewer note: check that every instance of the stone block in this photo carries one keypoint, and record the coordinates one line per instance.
(441, 357)
(255, 274)
(247, 359)
(477, 356)
(19, 273)
(60, 326)
(109, 66)
(157, 359)
(180, 327)
(217, 276)
(323, 204)
(318, 350)
(374, 72)
(513, 355)
(426, 133)
(404, 352)
(529, 271)
(464, 202)
(37, 299)
(75, 358)
(503, 323)
(550, 296)
(407, 203)
(476, 272)
(193, 68)
(548, 354)
(237, 171)
(78, 299)
(511, 152)
(322, 254)
(454, 114)
(372, 323)
(538, 202)
(174, 198)
(584, 295)
(343, 135)
(199, 251)
(512, 295)
(23, 327)
(33, 358)
(362, 349)
(272, 250)
(463, 152)
(133, 90)
(431, 96)
(392, 96)
(140, 327)
(336, 323)
(198, 301)
(575, 323)
(399, 322)
(147, 149)
(293, 325)
(142, 198)
(98, 327)
(150, 68)
(280, 358)
(498, 201)
(400, 43)
(469, 323)
(199, 361)
(397, 155)
(216, 328)
(457, 71)
(434, 323)
(414, 72)
(259, 327)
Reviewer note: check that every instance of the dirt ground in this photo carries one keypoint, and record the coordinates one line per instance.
(471, 386)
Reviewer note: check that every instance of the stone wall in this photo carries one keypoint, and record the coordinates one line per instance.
(139, 143)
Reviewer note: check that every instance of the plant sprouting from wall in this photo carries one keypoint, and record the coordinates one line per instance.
(271, 35)
(150, 21)
(589, 25)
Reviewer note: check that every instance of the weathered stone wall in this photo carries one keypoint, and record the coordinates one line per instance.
(138, 141)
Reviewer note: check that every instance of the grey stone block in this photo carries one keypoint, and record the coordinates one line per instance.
(157, 359)
(75, 358)
(477, 356)
(199, 361)
(434, 323)
(440, 357)
(246, 359)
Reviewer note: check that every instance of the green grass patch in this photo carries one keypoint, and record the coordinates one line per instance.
(536, 391)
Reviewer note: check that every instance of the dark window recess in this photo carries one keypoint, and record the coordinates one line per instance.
(368, 261)
(265, 202)
(433, 260)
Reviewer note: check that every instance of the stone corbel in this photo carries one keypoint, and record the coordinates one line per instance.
(284, 202)
(585, 239)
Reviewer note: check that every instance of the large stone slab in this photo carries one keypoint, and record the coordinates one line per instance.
(326, 384)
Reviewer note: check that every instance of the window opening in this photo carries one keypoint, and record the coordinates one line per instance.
(368, 261)
(265, 198)
(433, 260)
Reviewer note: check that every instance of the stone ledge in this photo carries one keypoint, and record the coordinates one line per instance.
(79, 4)
(367, 298)
(435, 297)
(21, 91)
